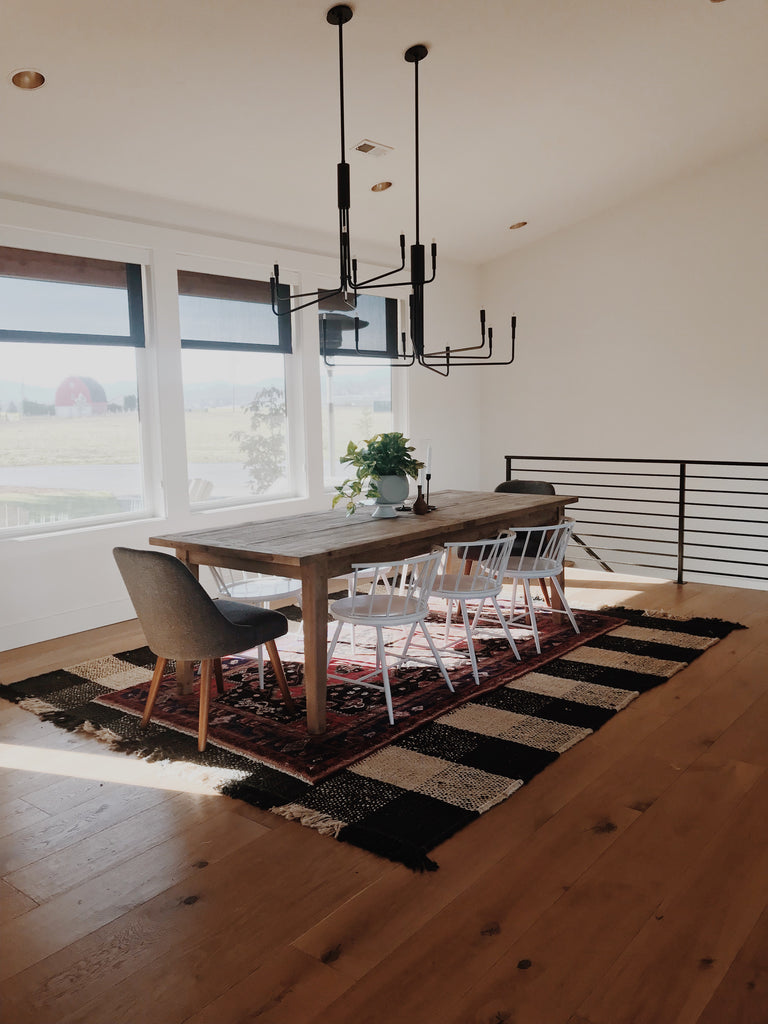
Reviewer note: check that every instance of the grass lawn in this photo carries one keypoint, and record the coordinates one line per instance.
(113, 439)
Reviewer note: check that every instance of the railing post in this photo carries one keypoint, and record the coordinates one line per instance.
(681, 524)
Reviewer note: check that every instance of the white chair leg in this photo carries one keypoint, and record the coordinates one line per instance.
(436, 654)
(566, 606)
(512, 605)
(532, 614)
(478, 613)
(336, 632)
(505, 627)
(408, 640)
(448, 617)
(470, 641)
(384, 673)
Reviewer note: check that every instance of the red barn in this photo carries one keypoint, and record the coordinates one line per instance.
(80, 396)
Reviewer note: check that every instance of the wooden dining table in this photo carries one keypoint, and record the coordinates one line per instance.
(317, 546)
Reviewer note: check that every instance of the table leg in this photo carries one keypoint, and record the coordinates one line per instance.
(314, 606)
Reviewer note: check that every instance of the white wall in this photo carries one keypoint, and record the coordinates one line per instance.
(64, 582)
(642, 332)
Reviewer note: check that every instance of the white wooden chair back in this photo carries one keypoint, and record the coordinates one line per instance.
(409, 601)
(474, 570)
(540, 551)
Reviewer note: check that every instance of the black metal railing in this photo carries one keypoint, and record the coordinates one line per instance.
(679, 518)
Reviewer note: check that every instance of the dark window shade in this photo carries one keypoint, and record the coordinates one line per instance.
(214, 286)
(54, 266)
(216, 323)
(57, 269)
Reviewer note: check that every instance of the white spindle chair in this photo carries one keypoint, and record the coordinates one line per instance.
(408, 605)
(476, 574)
(539, 554)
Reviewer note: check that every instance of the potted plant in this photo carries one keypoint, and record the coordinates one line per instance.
(383, 463)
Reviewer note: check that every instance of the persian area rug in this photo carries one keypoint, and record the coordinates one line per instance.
(395, 791)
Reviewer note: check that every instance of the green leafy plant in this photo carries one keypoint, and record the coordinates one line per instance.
(381, 455)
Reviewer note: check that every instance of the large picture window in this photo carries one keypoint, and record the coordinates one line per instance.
(70, 442)
(235, 392)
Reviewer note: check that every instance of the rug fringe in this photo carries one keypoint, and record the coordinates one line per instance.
(322, 823)
(660, 613)
(35, 705)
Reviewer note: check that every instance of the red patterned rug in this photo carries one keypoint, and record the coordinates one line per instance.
(256, 724)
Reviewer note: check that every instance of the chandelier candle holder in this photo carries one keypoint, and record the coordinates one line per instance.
(439, 360)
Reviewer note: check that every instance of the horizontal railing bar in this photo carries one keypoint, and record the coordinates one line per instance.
(714, 491)
(660, 540)
(656, 515)
(730, 575)
(646, 462)
(601, 548)
(723, 547)
(729, 519)
(728, 561)
(645, 565)
(608, 472)
(642, 501)
(736, 479)
(616, 487)
(622, 536)
(669, 515)
(719, 504)
(725, 533)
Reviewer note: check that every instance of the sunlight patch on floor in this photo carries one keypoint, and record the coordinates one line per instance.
(117, 768)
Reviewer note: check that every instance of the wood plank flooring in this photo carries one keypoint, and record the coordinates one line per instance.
(626, 884)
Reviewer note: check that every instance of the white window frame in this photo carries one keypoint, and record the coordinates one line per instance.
(297, 485)
(92, 248)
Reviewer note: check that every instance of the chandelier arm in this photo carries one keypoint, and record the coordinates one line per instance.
(473, 348)
(371, 282)
(465, 360)
(435, 367)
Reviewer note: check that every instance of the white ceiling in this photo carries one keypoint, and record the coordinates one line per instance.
(540, 110)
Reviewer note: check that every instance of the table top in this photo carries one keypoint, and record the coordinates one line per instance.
(337, 540)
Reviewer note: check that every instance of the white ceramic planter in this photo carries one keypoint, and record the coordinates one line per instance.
(393, 490)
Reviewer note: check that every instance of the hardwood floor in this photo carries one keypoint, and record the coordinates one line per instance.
(626, 884)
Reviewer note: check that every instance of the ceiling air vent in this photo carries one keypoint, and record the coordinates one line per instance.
(370, 148)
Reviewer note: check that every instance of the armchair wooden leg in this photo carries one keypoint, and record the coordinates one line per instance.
(219, 675)
(277, 666)
(205, 699)
(154, 687)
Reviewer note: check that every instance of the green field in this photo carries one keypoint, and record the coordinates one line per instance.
(113, 439)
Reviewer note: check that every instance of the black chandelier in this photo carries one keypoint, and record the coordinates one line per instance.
(345, 295)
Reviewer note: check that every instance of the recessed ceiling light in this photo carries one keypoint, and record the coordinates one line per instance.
(381, 186)
(520, 224)
(28, 79)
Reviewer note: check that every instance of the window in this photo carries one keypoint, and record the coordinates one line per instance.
(356, 383)
(235, 393)
(70, 443)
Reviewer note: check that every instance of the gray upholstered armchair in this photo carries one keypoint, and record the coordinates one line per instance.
(181, 622)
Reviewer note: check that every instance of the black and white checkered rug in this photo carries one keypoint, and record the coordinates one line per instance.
(413, 793)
